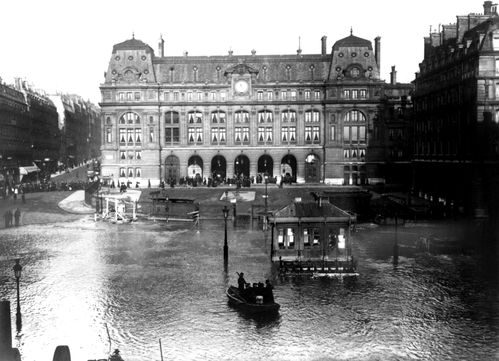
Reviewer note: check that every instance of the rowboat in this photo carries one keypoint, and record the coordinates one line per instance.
(239, 301)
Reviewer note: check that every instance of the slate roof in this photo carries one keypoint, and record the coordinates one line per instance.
(310, 210)
(132, 44)
(352, 41)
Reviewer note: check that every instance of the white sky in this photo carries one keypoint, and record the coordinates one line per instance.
(65, 45)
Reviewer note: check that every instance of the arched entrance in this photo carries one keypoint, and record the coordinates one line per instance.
(218, 168)
(266, 165)
(312, 168)
(195, 167)
(242, 166)
(172, 169)
(288, 168)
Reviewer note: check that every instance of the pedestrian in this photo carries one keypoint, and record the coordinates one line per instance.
(23, 196)
(16, 191)
(6, 217)
(17, 216)
(9, 215)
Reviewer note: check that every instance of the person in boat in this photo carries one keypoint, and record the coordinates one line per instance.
(116, 356)
(269, 295)
(241, 282)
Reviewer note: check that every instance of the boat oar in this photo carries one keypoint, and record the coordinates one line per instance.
(160, 350)
(109, 339)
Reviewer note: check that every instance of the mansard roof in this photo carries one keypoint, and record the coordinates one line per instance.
(352, 41)
(132, 44)
(241, 69)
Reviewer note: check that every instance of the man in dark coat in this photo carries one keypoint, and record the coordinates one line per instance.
(241, 282)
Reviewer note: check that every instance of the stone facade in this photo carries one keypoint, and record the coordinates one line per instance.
(38, 133)
(456, 105)
(300, 117)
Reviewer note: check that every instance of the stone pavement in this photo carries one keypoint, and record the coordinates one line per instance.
(40, 208)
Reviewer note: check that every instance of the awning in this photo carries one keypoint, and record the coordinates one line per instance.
(28, 169)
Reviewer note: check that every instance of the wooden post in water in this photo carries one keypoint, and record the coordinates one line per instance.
(396, 245)
(160, 350)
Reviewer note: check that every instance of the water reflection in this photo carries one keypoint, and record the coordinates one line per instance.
(147, 282)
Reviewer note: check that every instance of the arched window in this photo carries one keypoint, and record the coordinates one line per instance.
(288, 116)
(130, 118)
(218, 117)
(129, 133)
(195, 117)
(241, 116)
(312, 116)
(265, 116)
(355, 116)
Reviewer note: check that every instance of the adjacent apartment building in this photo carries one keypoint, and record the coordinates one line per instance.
(456, 112)
(309, 118)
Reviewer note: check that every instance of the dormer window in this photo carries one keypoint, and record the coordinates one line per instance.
(495, 41)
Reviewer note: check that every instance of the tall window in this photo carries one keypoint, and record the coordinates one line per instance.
(195, 135)
(286, 238)
(265, 135)
(129, 135)
(288, 135)
(265, 116)
(172, 128)
(241, 116)
(195, 116)
(241, 135)
(218, 135)
(354, 135)
(109, 137)
(312, 135)
(312, 116)
(218, 117)
(288, 116)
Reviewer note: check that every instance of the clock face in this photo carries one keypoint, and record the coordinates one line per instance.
(241, 86)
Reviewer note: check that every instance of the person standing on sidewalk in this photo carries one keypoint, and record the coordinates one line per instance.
(6, 217)
(17, 216)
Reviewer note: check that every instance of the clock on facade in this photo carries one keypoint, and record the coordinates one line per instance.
(241, 86)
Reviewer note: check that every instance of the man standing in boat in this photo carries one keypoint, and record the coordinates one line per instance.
(241, 282)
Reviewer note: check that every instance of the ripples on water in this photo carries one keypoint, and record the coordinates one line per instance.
(147, 281)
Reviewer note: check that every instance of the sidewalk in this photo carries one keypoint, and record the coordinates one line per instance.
(41, 208)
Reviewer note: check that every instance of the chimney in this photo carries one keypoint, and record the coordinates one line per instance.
(377, 51)
(487, 8)
(161, 46)
(393, 76)
(324, 45)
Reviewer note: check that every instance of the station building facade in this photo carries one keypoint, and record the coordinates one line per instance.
(308, 118)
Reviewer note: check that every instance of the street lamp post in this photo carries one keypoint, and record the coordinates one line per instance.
(266, 177)
(17, 273)
(226, 247)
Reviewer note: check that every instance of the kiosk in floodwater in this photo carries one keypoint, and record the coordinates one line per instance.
(312, 238)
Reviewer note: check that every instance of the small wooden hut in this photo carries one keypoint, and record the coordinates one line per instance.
(312, 237)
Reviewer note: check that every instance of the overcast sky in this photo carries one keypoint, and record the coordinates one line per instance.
(65, 45)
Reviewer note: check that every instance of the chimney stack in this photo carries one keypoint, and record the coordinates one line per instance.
(161, 46)
(487, 8)
(377, 51)
(393, 76)
(324, 45)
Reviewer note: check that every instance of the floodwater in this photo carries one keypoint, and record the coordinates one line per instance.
(97, 286)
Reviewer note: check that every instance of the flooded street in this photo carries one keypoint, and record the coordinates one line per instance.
(149, 281)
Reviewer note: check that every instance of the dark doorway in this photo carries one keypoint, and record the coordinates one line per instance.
(241, 166)
(266, 165)
(218, 168)
(172, 169)
(312, 169)
(288, 168)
